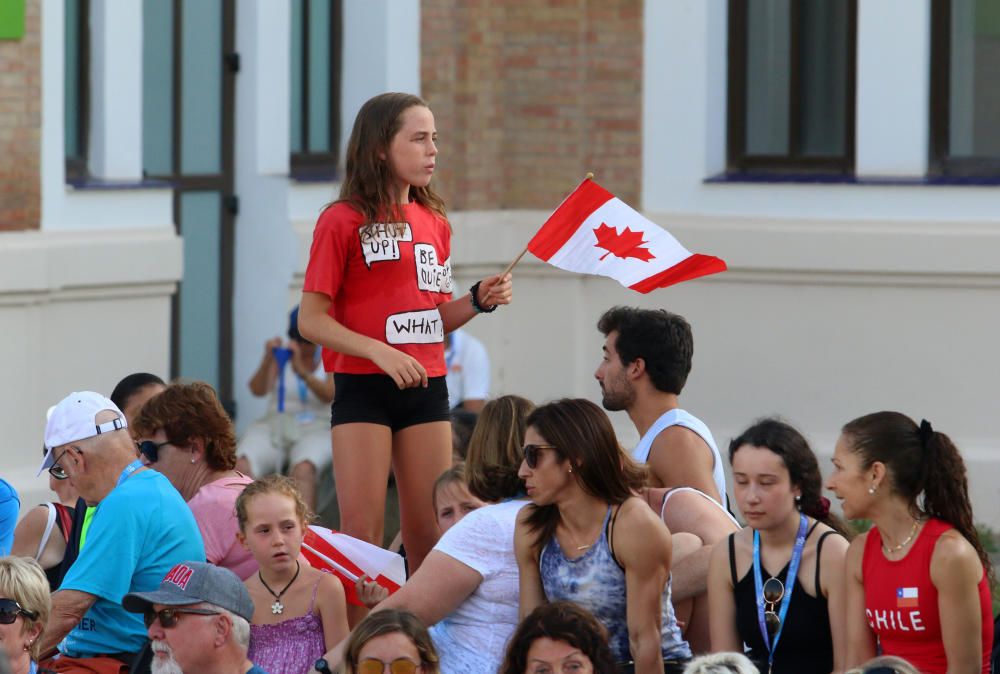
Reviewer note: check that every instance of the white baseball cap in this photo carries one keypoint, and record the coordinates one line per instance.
(75, 418)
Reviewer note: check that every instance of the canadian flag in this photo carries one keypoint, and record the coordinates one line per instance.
(349, 558)
(595, 232)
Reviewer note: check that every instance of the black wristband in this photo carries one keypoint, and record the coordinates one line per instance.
(322, 666)
(480, 309)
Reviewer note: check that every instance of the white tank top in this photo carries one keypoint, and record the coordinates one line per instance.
(678, 417)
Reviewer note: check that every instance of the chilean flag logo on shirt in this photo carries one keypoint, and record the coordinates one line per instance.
(906, 597)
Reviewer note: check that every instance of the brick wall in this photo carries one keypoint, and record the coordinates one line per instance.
(20, 125)
(529, 95)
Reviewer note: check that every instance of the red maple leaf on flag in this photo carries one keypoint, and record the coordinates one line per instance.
(624, 245)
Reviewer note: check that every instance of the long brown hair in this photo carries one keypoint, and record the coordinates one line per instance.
(584, 436)
(494, 454)
(368, 184)
(919, 462)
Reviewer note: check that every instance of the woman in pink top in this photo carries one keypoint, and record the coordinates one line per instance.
(186, 435)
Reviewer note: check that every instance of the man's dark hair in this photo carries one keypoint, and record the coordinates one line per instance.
(131, 385)
(663, 340)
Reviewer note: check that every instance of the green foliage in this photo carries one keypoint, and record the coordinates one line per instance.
(860, 526)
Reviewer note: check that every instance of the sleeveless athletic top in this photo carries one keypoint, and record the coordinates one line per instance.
(677, 490)
(901, 601)
(806, 645)
(597, 582)
(678, 417)
(291, 646)
(61, 517)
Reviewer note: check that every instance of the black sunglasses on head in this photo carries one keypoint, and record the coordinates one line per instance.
(10, 609)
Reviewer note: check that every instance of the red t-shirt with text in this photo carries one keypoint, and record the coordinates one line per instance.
(386, 285)
(901, 602)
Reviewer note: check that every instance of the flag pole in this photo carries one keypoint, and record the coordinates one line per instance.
(589, 176)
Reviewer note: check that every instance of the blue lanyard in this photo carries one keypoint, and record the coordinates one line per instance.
(129, 469)
(303, 389)
(793, 573)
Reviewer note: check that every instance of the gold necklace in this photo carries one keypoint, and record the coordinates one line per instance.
(897, 548)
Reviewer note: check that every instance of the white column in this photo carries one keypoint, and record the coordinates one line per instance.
(893, 85)
(115, 145)
(381, 53)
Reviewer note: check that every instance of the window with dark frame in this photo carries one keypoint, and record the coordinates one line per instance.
(315, 88)
(965, 88)
(76, 86)
(791, 86)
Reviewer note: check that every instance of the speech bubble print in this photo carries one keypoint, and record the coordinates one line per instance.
(415, 327)
(431, 276)
(381, 244)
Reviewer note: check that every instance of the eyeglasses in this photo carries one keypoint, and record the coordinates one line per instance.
(773, 591)
(10, 609)
(169, 616)
(397, 666)
(150, 449)
(57, 471)
(531, 454)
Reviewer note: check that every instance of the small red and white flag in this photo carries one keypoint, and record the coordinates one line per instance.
(349, 558)
(907, 597)
(595, 232)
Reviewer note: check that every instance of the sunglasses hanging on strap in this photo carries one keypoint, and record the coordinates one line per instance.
(773, 591)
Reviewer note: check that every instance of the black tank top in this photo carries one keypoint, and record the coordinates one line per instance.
(806, 646)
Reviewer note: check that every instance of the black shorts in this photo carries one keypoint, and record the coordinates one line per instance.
(375, 399)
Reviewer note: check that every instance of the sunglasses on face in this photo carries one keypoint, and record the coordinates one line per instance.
(397, 666)
(168, 617)
(150, 450)
(531, 454)
(10, 609)
(773, 591)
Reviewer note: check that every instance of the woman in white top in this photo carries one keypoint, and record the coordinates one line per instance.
(467, 587)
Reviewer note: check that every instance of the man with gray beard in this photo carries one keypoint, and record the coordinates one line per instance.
(198, 621)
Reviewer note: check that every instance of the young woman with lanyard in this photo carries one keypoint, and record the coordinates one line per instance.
(918, 581)
(777, 585)
(378, 298)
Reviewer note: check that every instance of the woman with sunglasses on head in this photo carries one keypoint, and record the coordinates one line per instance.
(24, 610)
(185, 434)
(917, 582)
(588, 538)
(390, 640)
(778, 585)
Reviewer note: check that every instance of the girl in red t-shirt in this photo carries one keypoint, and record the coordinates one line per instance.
(918, 582)
(378, 298)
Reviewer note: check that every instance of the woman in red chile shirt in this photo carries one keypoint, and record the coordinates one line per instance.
(378, 298)
(918, 582)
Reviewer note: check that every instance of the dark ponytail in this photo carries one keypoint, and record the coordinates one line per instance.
(799, 459)
(920, 462)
